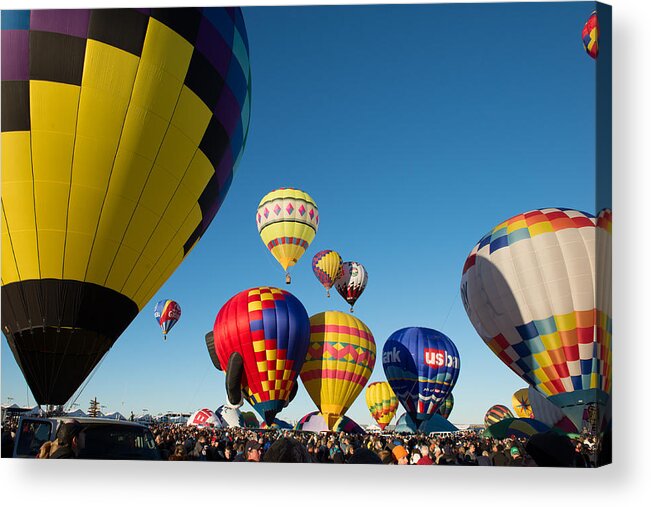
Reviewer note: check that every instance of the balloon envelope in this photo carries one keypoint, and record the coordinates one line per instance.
(339, 362)
(277, 424)
(204, 417)
(121, 130)
(435, 424)
(381, 402)
(528, 288)
(250, 420)
(445, 408)
(590, 35)
(316, 422)
(497, 413)
(270, 329)
(230, 417)
(521, 403)
(352, 282)
(422, 365)
(167, 313)
(515, 428)
(327, 267)
(287, 220)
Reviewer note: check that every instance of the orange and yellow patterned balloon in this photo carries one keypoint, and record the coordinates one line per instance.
(339, 362)
(381, 402)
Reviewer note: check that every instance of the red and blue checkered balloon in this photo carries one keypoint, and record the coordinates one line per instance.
(270, 329)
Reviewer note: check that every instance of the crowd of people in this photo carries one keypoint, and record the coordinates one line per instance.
(464, 448)
(178, 442)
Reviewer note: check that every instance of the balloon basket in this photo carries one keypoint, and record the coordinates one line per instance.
(288, 279)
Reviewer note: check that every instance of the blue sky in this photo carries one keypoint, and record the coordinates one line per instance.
(415, 129)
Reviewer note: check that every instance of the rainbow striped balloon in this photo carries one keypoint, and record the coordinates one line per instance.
(381, 402)
(497, 413)
(339, 362)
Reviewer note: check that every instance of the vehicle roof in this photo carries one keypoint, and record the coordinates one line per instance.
(97, 420)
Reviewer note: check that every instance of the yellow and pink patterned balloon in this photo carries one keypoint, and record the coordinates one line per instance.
(340, 360)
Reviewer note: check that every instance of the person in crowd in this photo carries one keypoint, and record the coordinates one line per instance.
(252, 451)
(459, 448)
(287, 450)
(516, 457)
(484, 459)
(498, 457)
(67, 439)
(424, 459)
(179, 454)
(401, 455)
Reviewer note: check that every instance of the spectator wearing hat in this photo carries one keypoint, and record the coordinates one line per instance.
(67, 440)
(252, 451)
(516, 457)
(401, 455)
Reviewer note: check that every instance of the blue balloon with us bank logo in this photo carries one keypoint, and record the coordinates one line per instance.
(422, 365)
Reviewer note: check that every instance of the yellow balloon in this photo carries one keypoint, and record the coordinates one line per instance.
(381, 402)
(287, 221)
(521, 403)
(327, 267)
(339, 362)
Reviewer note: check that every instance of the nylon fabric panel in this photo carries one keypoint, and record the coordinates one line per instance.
(175, 204)
(9, 268)
(55, 57)
(191, 116)
(15, 106)
(109, 74)
(170, 260)
(18, 206)
(240, 52)
(53, 119)
(156, 89)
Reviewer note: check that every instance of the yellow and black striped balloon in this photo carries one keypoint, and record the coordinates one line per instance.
(121, 129)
